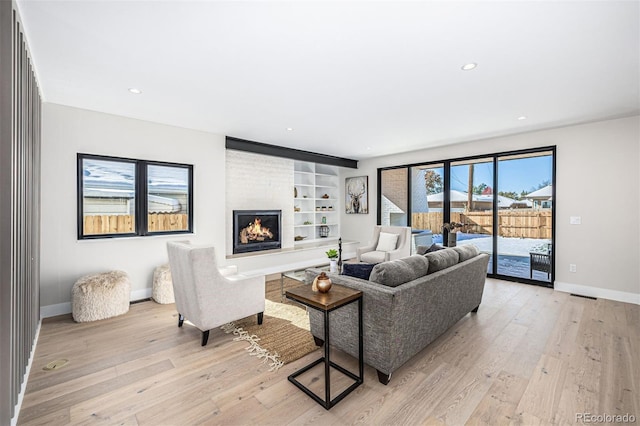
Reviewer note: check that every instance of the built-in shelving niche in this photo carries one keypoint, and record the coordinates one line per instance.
(316, 202)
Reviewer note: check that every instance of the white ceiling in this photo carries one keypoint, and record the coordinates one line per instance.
(353, 79)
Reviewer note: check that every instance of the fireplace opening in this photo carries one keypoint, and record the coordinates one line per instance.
(255, 230)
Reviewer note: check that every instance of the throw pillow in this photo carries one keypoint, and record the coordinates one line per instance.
(387, 242)
(441, 259)
(428, 249)
(466, 252)
(435, 247)
(399, 271)
(358, 270)
(421, 250)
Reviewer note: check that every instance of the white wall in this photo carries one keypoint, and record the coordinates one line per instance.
(597, 178)
(67, 131)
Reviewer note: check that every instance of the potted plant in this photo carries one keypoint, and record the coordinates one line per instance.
(332, 254)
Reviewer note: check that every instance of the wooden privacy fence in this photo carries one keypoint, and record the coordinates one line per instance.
(511, 223)
(123, 223)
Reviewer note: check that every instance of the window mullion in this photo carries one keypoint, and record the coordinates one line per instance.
(142, 215)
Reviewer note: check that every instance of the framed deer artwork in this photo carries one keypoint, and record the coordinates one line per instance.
(357, 197)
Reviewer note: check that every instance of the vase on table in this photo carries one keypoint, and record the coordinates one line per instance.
(333, 265)
(323, 283)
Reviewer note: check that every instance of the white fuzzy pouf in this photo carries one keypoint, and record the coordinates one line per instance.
(162, 285)
(101, 296)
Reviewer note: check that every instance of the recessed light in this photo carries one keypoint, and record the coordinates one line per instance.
(289, 129)
(522, 117)
(469, 66)
(135, 91)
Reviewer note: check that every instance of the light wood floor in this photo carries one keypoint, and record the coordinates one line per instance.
(529, 356)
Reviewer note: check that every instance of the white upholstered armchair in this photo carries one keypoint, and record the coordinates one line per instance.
(388, 243)
(209, 297)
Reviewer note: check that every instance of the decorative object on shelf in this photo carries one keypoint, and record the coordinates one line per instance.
(330, 208)
(305, 196)
(296, 209)
(322, 283)
(295, 192)
(325, 196)
(324, 219)
(324, 231)
(332, 254)
(307, 222)
(317, 208)
(324, 208)
(356, 189)
(299, 237)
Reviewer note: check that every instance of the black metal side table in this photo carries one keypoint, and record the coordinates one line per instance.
(337, 297)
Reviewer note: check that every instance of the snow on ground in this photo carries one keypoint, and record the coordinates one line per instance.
(510, 246)
(506, 246)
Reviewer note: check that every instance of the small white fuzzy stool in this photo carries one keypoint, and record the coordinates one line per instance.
(162, 285)
(101, 296)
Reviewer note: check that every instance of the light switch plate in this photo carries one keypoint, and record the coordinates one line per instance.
(575, 220)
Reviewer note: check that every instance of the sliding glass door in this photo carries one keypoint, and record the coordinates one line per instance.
(524, 243)
(471, 205)
(427, 213)
(501, 203)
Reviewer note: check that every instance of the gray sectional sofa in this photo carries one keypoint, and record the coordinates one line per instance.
(407, 304)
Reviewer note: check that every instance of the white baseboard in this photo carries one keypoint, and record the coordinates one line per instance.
(23, 388)
(65, 308)
(602, 293)
(55, 310)
(145, 293)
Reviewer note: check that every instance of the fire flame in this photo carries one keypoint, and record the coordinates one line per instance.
(255, 232)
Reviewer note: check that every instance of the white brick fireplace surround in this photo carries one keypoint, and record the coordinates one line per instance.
(262, 182)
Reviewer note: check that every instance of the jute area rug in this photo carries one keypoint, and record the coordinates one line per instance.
(284, 334)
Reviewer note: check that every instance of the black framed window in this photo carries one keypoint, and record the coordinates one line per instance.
(121, 197)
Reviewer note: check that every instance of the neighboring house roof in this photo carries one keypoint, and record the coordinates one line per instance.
(541, 194)
(461, 197)
(117, 180)
(163, 204)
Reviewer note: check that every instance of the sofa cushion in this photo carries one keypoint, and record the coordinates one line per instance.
(466, 252)
(428, 249)
(358, 270)
(373, 256)
(399, 271)
(387, 241)
(442, 259)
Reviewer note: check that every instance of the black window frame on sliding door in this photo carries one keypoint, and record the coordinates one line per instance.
(495, 226)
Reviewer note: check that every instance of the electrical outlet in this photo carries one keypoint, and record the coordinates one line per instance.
(572, 267)
(575, 220)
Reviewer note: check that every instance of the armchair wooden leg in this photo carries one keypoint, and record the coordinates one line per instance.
(318, 341)
(475, 309)
(180, 320)
(205, 337)
(260, 317)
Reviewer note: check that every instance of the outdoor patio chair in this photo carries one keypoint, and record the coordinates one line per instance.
(540, 262)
